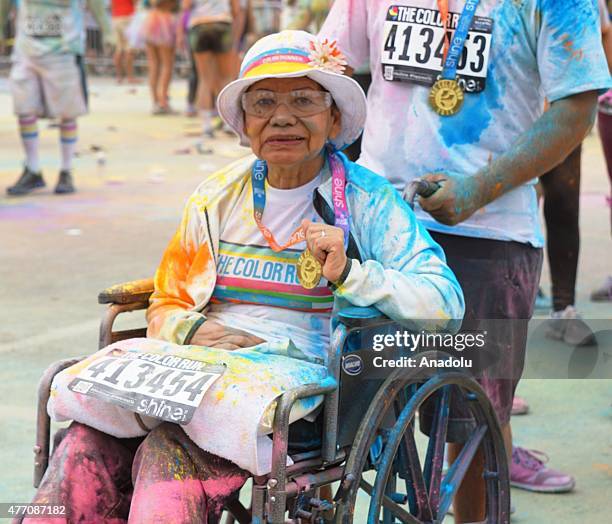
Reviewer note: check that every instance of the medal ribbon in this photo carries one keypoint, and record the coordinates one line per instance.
(453, 51)
(258, 180)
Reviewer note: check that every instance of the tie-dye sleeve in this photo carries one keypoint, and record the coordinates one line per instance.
(570, 56)
(183, 281)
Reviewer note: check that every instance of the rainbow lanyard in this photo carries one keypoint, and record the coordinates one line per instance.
(341, 213)
(453, 53)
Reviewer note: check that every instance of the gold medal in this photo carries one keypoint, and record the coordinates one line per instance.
(309, 270)
(446, 97)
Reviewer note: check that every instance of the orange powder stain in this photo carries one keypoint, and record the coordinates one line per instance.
(568, 45)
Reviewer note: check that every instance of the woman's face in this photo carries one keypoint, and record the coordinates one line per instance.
(284, 139)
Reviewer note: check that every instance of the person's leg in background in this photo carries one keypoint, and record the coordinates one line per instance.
(207, 71)
(31, 178)
(68, 141)
(226, 66)
(604, 123)
(166, 54)
(153, 64)
(175, 481)
(192, 87)
(120, 49)
(561, 187)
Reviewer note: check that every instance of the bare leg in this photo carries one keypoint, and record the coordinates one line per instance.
(165, 74)
(118, 61)
(469, 503)
(226, 66)
(207, 72)
(153, 66)
(129, 66)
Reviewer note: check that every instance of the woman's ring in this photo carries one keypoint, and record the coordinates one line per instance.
(322, 233)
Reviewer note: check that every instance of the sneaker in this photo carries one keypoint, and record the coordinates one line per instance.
(64, 183)
(542, 302)
(519, 406)
(603, 293)
(528, 471)
(191, 111)
(568, 326)
(28, 182)
(202, 148)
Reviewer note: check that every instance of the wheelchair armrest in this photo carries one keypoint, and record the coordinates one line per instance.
(362, 317)
(127, 292)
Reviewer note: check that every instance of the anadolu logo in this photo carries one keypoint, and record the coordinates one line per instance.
(393, 12)
(352, 364)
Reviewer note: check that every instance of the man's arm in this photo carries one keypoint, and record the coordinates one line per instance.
(549, 141)
(607, 44)
(98, 10)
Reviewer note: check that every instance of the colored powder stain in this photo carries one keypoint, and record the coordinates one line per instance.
(475, 115)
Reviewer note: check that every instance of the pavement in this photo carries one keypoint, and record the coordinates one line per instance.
(58, 252)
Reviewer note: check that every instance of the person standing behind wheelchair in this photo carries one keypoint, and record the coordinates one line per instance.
(469, 117)
(266, 250)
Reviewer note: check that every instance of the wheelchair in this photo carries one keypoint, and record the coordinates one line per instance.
(366, 429)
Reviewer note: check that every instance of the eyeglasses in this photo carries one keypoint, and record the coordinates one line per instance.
(302, 102)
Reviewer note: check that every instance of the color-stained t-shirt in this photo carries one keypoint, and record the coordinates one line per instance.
(518, 52)
(257, 289)
(210, 10)
(52, 26)
(122, 7)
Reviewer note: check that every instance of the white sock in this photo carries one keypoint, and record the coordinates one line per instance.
(206, 115)
(28, 129)
(68, 141)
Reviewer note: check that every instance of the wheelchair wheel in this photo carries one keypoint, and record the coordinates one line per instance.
(403, 490)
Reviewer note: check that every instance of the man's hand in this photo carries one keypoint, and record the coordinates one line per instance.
(326, 243)
(458, 198)
(215, 335)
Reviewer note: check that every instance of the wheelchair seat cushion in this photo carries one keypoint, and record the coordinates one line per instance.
(233, 419)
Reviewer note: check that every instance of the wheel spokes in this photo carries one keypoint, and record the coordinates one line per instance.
(457, 471)
(434, 461)
(416, 476)
(391, 505)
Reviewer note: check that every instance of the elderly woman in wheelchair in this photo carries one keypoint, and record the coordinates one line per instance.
(269, 249)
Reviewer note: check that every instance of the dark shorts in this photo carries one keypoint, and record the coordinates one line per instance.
(215, 37)
(499, 281)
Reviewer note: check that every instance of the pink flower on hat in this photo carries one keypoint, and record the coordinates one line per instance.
(325, 55)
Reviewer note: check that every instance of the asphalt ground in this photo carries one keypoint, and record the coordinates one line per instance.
(57, 253)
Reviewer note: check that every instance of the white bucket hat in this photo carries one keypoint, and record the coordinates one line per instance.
(290, 54)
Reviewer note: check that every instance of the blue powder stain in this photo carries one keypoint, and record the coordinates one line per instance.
(565, 15)
(475, 116)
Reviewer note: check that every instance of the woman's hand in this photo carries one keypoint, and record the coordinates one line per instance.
(326, 243)
(215, 335)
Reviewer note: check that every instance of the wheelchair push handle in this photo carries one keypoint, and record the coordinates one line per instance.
(420, 187)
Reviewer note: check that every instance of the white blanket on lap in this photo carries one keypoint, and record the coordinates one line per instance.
(235, 414)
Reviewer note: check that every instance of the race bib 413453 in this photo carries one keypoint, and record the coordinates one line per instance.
(413, 47)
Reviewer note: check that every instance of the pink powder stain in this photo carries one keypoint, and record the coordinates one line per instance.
(224, 486)
(165, 501)
(173, 500)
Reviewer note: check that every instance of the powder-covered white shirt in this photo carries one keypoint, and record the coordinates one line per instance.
(517, 53)
(257, 289)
